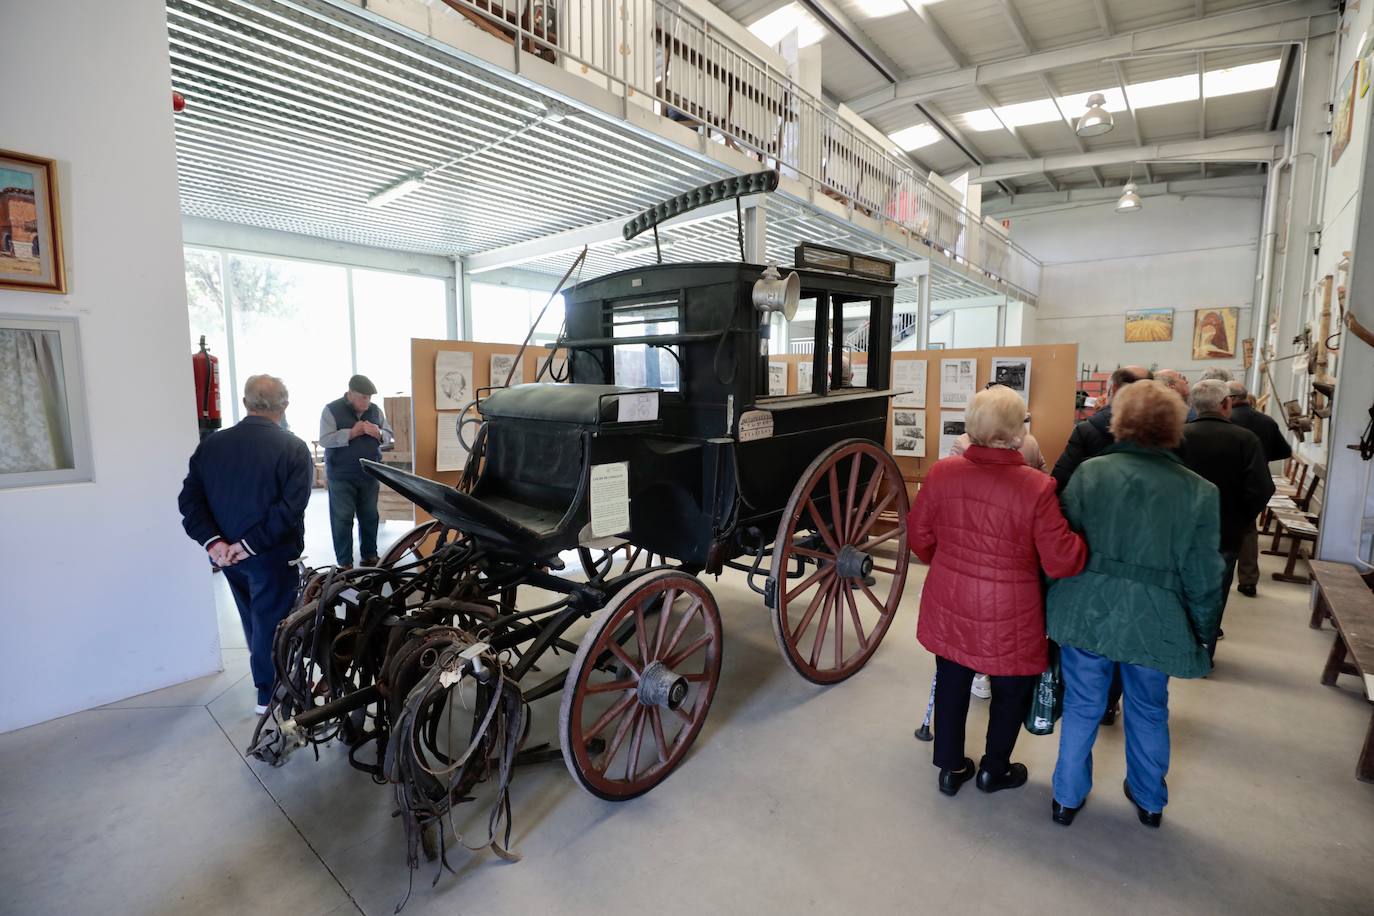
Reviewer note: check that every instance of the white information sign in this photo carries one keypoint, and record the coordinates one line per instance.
(452, 379)
(637, 408)
(1014, 372)
(755, 424)
(909, 433)
(501, 364)
(958, 382)
(610, 498)
(951, 428)
(909, 378)
(804, 377)
(449, 452)
(777, 379)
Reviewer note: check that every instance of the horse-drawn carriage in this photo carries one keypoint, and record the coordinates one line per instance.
(662, 458)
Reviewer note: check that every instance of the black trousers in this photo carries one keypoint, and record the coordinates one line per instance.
(1011, 696)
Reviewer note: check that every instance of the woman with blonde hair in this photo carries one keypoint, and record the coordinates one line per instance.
(1149, 599)
(987, 525)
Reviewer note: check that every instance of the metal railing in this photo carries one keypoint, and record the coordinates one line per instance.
(668, 58)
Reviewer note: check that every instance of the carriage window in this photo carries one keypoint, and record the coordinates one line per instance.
(644, 365)
(850, 329)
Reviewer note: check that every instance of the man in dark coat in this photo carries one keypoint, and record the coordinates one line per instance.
(1276, 448)
(244, 501)
(1091, 437)
(1232, 459)
(353, 428)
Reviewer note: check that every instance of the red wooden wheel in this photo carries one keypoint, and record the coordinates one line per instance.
(411, 542)
(846, 526)
(640, 685)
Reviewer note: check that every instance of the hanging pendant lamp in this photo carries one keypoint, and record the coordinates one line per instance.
(1130, 199)
(1097, 120)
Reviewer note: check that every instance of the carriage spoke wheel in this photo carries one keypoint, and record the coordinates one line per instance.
(845, 529)
(625, 727)
(412, 542)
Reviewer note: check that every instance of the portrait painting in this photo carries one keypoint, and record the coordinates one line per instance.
(1149, 325)
(30, 225)
(1214, 333)
(1344, 121)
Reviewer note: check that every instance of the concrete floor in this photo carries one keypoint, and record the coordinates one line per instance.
(794, 799)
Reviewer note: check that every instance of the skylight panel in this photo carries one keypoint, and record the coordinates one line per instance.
(982, 119)
(878, 9)
(772, 28)
(914, 137)
(1168, 91)
(1245, 78)
(1039, 111)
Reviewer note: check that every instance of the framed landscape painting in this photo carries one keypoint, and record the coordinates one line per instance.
(1214, 333)
(30, 225)
(1149, 325)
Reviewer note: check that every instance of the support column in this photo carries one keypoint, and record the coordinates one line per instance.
(755, 234)
(458, 302)
(923, 312)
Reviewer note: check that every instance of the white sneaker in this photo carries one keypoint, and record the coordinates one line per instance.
(982, 686)
(259, 709)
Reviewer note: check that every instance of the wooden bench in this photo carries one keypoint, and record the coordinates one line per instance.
(1344, 597)
(1300, 524)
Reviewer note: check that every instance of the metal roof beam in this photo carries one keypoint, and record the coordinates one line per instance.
(1257, 147)
(1104, 18)
(595, 234)
(1091, 196)
(1130, 109)
(1018, 25)
(1292, 20)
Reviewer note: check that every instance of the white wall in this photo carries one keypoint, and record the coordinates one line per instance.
(1180, 253)
(103, 595)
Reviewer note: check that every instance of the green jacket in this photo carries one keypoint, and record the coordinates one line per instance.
(1151, 592)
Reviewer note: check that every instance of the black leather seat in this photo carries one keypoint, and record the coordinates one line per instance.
(585, 405)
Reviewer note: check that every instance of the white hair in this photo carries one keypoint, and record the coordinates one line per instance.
(1209, 395)
(264, 394)
(1221, 375)
(996, 418)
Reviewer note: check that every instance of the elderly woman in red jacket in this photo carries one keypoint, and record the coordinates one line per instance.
(987, 525)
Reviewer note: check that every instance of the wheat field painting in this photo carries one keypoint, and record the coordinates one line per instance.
(1149, 325)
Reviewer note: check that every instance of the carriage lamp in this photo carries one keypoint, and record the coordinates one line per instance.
(775, 293)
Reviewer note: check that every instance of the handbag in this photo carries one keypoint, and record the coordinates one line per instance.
(1047, 701)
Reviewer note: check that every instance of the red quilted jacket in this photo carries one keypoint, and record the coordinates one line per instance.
(986, 524)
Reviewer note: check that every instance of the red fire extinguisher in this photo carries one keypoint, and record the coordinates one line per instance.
(206, 370)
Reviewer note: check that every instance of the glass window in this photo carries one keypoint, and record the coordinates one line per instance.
(205, 303)
(504, 314)
(641, 365)
(43, 433)
(851, 324)
(388, 310)
(291, 320)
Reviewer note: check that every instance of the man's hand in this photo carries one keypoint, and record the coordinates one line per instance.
(220, 552)
(237, 552)
(359, 429)
(373, 430)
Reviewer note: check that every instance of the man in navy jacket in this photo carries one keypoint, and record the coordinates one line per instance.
(244, 501)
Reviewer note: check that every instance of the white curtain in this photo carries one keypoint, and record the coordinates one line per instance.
(35, 431)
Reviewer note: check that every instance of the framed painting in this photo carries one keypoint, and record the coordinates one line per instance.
(1214, 333)
(1149, 325)
(30, 225)
(1344, 121)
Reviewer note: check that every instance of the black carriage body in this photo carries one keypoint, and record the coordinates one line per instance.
(700, 491)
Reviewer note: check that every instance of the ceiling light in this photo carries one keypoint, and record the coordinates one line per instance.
(399, 189)
(1096, 121)
(771, 29)
(915, 137)
(1130, 199)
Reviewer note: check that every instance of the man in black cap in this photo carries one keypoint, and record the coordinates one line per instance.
(353, 428)
(1276, 448)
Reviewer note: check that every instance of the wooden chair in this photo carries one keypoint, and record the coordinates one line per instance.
(1301, 525)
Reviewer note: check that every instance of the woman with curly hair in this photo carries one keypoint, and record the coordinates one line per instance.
(1149, 598)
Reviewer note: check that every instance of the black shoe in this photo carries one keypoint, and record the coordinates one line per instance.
(1109, 717)
(1014, 778)
(1062, 815)
(372, 561)
(1246, 590)
(1148, 818)
(951, 780)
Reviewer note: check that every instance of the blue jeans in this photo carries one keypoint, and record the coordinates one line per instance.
(350, 496)
(264, 588)
(1087, 678)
